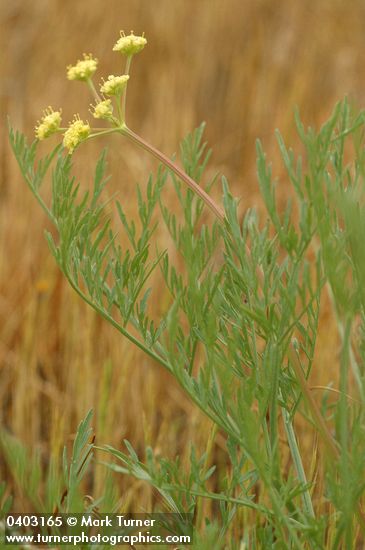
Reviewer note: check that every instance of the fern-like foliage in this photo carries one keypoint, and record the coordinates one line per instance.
(241, 320)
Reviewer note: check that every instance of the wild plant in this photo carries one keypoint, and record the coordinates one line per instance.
(53, 485)
(240, 327)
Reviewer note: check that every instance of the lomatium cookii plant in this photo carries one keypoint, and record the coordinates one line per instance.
(240, 329)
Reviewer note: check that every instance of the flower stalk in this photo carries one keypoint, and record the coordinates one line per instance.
(138, 140)
(116, 88)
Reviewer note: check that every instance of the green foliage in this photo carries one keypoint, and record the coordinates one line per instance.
(57, 486)
(6, 501)
(239, 332)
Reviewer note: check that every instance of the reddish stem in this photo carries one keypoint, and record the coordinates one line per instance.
(177, 170)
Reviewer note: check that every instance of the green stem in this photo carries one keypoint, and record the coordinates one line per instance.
(124, 97)
(174, 168)
(219, 497)
(353, 362)
(118, 100)
(116, 325)
(152, 354)
(93, 90)
(282, 518)
(293, 445)
(63, 129)
(39, 199)
(103, 133)
(208, 451)
(318, 419)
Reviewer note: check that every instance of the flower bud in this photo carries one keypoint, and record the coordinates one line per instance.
(129, 45)
(84, 69)
(115, 85)
(50, 123)
(103, 109)
(77, 132)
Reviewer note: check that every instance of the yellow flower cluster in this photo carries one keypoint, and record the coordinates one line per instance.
(115, 85)
(50, 123)
(77, 132)
(129, 45)
(84, 68)
(103, 109)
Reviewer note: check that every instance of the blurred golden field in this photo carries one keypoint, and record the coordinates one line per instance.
(241, 66)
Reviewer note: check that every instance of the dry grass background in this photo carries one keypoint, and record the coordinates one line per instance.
(240, 65)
